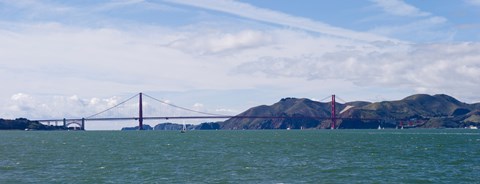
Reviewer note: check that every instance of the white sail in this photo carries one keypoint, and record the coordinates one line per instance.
(184, 128)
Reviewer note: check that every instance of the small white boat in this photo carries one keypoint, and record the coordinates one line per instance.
(471, 127)
(184, 128)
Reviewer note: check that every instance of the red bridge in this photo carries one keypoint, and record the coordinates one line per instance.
(204, 115)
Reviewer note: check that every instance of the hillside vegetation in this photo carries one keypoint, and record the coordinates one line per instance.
(25, 124)
(421, 110)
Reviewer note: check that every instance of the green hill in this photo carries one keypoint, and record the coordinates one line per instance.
(419, 110)
(292, 111)
(25, 124)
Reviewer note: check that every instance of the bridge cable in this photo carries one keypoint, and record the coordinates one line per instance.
(324, 98)
(341, 99)
(183, 108)
(112, 107)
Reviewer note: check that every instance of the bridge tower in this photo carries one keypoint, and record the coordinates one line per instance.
(82, 127)
(333, 117)
(140, 112)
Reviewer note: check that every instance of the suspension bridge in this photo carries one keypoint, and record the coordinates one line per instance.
(66, 122)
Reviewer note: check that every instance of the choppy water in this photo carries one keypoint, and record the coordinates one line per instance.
(309, 156)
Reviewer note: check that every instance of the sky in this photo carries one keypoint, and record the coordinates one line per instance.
(76, 58)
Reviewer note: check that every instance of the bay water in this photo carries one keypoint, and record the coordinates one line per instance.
(249, 156)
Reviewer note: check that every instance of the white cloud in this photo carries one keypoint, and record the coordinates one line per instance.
(20, 96)
(120, 3)
(22, 102)
(433, 68)
(420, 27)
(400, 8)
(38, 6)
(146, 5)
(248, 11)
(82, 58)
(421, 30)
(109, 61)
(227, 111)
(473, 2)
(211, 43)
(198, 105)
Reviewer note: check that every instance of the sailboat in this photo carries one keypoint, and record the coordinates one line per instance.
(184, 128)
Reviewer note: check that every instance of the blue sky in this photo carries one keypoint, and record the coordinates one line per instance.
(72, 58)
